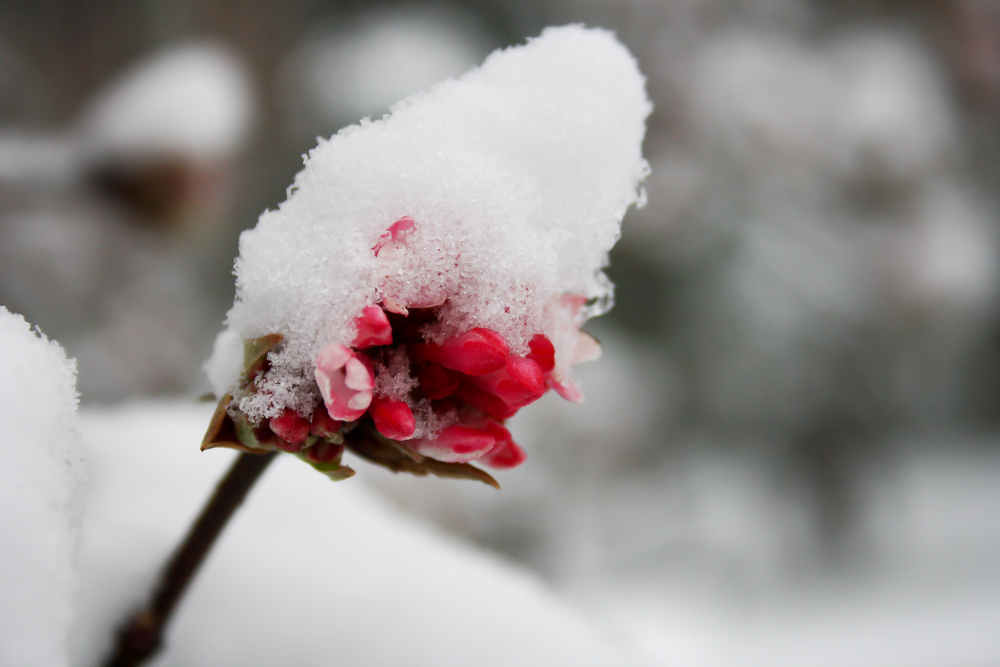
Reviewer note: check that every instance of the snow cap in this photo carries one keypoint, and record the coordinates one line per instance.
(515, 176)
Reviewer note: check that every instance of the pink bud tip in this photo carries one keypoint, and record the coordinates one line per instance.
(373, 328)
(393, 418)
(290, 427)
(520, 382)
(475, 352)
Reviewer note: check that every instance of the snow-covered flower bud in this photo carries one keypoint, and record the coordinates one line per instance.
(430, 272)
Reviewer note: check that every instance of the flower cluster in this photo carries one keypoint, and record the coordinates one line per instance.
(460, 391)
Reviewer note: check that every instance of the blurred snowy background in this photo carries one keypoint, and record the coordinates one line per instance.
(790, 453)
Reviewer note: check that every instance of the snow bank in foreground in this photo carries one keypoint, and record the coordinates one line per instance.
(309, 572)
(39, 477)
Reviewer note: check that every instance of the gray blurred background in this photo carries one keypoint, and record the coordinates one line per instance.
(790, 453)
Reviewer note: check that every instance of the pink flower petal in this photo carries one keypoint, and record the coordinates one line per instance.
(455, 444)
(358, 373)
(373, 328)
(475, 352)
(567, 389)
(345, 381)
(393, 418)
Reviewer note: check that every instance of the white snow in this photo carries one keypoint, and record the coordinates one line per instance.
(39, 480)
(308, 573)
(517, 176)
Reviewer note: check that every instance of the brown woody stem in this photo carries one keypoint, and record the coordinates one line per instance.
(141, 636)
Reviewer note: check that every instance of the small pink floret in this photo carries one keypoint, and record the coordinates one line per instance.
(393, 418)
(345, 380)
(373, 328)
(475, 352)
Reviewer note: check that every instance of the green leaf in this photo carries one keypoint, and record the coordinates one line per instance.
(223, 432)
(255, 354)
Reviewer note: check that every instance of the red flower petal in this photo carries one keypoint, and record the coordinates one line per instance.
(520, 382)
(542, 352)
(393, 418)
(475, 352)
(373, 328)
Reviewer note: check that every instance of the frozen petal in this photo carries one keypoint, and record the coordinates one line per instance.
(391, 240)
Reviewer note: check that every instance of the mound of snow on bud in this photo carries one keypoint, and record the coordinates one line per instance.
(432, 269)
(39, 480)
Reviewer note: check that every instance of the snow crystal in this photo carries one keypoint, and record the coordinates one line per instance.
(517, 176)
(39, 479)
